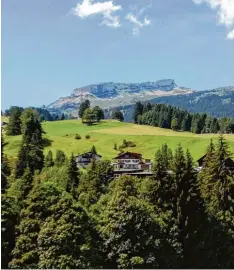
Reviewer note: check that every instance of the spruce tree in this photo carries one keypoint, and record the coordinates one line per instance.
(60, 158)
(93, 150)
(14, 125)
(217, 184)
(49, 162)
(31, 150)
(73, 176)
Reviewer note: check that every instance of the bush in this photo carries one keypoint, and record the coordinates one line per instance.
(87, 136)
(77, 137)
(126, 144)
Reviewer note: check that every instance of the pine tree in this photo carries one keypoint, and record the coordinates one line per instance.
(31, 150)
(14, 125)
(73, 176)
(137, 111)
(49, 159)
(130, 230)
(60, 158)
(93, 150)
(217, 184)
(188, 210)
(9, 217)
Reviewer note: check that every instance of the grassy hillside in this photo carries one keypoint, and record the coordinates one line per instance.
(61, 135)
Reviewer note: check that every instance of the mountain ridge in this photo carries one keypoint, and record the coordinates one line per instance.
(118, 93)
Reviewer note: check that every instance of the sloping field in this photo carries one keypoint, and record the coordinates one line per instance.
(61, 135)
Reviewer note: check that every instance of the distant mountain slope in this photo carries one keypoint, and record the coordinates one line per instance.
(217, 102)
(109, 95)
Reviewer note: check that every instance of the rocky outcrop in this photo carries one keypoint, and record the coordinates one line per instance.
(108, 95)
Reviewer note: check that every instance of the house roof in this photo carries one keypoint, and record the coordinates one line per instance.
(131, 154)
(228, 162)
(88, 155)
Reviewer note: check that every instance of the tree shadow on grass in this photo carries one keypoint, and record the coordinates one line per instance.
(46, 142)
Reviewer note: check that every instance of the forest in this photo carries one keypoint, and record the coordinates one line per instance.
(55, 216)
(170, 117)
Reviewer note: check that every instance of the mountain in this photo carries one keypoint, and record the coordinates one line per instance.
(217, 102)
(110, 95)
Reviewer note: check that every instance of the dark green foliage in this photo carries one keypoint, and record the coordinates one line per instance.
(42, 244)
(31, 128)
(73, 177)
(117, 114)
(165, 116)
(29, 156)
(127, 144)
(89, 117)
(60, 158)
(14, 125)
(178, 218)
(8, 222)
(133, 235)
(217, 184)
(49, 162)
(62, 117)
(163, 194)
(77, 137)
(99, 114)
(87, 136)
(115, 146)
(175, 124)
(83, 106)
(31, 150)
(94, 183)
(93, 150)
(138, 110)
(5, 168)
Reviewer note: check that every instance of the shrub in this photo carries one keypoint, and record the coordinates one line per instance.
(126, 144)
(87, 136)
(77, 137)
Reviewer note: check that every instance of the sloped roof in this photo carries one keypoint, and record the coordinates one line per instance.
(130, 154)
(88, 155)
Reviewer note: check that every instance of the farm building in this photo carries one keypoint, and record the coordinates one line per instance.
(85, 159)
(131, 164)
(229, 163)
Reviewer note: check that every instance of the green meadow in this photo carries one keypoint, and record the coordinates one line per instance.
(61, 135)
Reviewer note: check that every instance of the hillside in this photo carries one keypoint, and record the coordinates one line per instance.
(61, 135)
(109, 95)
(217, 102)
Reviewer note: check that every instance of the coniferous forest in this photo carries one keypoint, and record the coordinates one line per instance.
(56, 216)
(170, 117)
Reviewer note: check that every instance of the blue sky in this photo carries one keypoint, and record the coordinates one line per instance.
(50, 47)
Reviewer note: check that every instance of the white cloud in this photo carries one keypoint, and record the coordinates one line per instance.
(138, 23)
(230, 35)
(106, 9)
(225, 13)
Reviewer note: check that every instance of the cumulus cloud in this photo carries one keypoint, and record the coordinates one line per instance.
(137, 22)
(225, 10)
(107, 9)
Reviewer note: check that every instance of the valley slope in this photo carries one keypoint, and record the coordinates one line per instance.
(61, 135)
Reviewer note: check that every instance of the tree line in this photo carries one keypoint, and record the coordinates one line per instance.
(14, 113)
(55, 216)
(170, 117)
(91, 115)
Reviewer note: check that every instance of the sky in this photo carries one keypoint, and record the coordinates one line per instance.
(50, 47)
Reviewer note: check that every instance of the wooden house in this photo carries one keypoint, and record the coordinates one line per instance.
(131, 164)
(85, 159)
